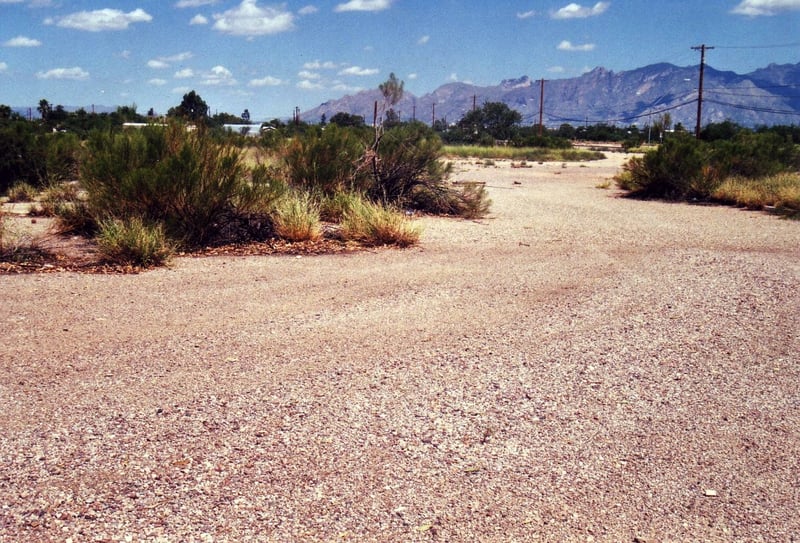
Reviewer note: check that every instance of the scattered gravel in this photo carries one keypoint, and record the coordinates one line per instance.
(575, 367)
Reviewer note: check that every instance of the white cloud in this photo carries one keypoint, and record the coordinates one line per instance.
(556, 69)
(317, 65)
(194, 3)
(101, 19)
(305, 84)
(198, 20)
(180, 90)
(412, 76)
(308, 10)
(267, 81)
(339, 86)
(185, 73)
(567, 45)
(576, 11)
(165, 62)
(755, 8)
(364, 5)
(249, 19)
(219, 76)
(158, 82)
(357, 70)
(76, 74)
(526, 14)
(22, 41)
(423, 40)
(307, 74)
(3, 66)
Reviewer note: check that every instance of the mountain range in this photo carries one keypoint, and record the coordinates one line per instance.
(767, 96)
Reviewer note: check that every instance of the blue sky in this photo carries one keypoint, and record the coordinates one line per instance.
(271, 57)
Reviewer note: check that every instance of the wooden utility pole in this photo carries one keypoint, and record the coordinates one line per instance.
(541, 107)
(474, 101)
(702, 48)
(433, 115)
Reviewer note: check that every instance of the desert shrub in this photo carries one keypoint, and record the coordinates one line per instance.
(684, 167)
(408, 157)
(374, 224)
(61, 157)
(131, 241)
(469, 200)
(183, 180)
(22, 155)
(325, 160)
(673, 171)
(296, 218)
(22, 191)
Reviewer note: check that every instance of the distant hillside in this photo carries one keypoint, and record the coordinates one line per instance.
(767, 96)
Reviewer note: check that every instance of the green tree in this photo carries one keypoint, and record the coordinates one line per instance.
(494, 119)
(192, 108)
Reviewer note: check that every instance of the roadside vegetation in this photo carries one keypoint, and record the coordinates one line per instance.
(729, 164)
(184, 184)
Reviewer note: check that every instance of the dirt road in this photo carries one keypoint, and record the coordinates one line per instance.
(575, 367)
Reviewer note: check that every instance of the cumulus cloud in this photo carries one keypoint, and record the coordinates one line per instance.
(159, 63)
(218, 76)
(249, 19)
(567, 45)
(576, 11)
(101, 19)
(317, 65)
(307, 74)
(308, 10)
(305, 84)
(157, 82)
(198, 20)
(364, 5)
(185, 73)
(75, 74)
(755, 8)
(22, 41)
(357, 70)
(194, 3)
(267, 81)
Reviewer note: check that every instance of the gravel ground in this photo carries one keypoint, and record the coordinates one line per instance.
(575, 367)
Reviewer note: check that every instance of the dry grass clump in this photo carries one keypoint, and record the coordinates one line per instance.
(297, 218)
(374, 224)
(22, 192)
(781, 191)
(131, 241)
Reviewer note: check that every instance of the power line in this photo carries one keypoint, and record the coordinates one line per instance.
(758, 109)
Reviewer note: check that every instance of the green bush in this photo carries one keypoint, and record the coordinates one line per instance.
(408, 159)
(133, 242)
(325, 160)
(196, 188)
(684, 168)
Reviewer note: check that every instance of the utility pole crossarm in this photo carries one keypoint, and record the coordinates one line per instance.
(702, 48)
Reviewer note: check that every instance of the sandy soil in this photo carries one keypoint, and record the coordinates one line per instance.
(575, 367)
